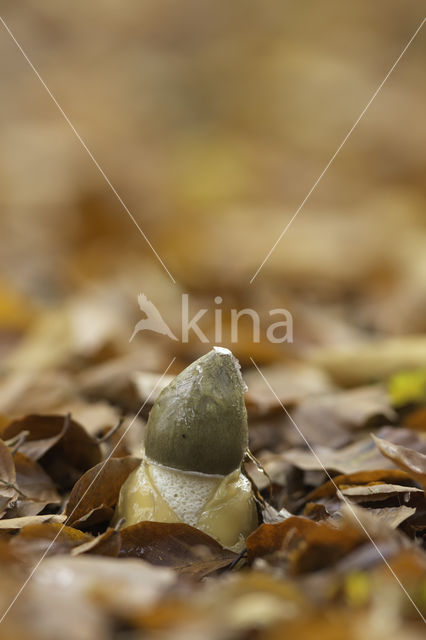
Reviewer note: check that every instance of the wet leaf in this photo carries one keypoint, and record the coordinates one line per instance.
(98, 489)
(176, 545)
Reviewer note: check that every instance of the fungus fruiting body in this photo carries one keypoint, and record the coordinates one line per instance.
(196, 439)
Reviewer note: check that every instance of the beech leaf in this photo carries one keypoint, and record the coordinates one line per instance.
(186, 549)
(99, 488)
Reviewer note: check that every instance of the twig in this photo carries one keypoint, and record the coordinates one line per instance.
(237, 559)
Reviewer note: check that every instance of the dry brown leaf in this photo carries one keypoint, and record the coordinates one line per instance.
(358, 456)
(23, 391)
(50, 538)
(98, 488)
(326, 419)
(106, 544)
(19, 523)
(416, 420)
(122, 586)
(413, 462)
(97, 417)
(186, 549)
(36, 438)
(36, 486)
(101, 515)
(62, 446)
(342, 481)
(292, 382)
(306, 545)
(378, 492)
(392, 517)
(8, 490)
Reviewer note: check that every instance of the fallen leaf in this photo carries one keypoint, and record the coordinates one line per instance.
(122, 586)
(413, 462)
(392, 517)
(377, 492)
(271, 515)
(186, 549)
(327, 419)
(61, 445)
(149, 385)
(94, 518)
(19, 523)
(306, 545)
(36, 441)
(35, 484)
(49, 538)
(361, 455)
(292, 382)
(24, 391)
(106, 544)
(356, 479)
(98, 488)
(97, 417)
(416, 420)
(8, 490)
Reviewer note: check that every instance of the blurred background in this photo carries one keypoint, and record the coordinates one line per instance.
(212, 121)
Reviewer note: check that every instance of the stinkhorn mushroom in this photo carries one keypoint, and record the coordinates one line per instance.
(196, 439)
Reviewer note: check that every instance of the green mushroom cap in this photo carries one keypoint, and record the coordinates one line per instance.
(199, 421)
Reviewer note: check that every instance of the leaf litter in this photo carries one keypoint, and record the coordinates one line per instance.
(308, 556)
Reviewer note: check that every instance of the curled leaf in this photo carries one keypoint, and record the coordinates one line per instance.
(411, 461)
(62, 446)
(306, 545)
(98, 489)
(36, 486)
(106, 544)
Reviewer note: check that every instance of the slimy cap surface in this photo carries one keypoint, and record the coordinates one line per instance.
(199, 421)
